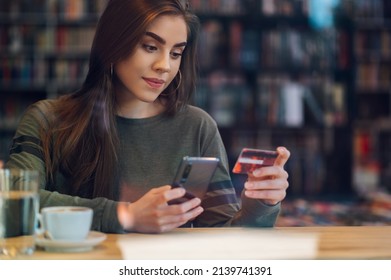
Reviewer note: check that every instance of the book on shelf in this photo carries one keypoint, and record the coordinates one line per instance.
(235, 43)
(73, 10)
(366, 167)
(16, 9)
(365, 9)
(209, 44)
(336, 108)
(249, 52)
(314, 167)
(283, 101)
(266, 100)
(373, 51)
(201, 96)
(342, 55)
(64, 9)
(40, 72)
(373, 76)
(71, 72)
(74, 39)
(220, 7)
(289, 8)
(298, 49)
(243, 47)
(230, 98)
(373, 43)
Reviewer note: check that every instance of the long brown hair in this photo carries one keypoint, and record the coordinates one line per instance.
(82, 141)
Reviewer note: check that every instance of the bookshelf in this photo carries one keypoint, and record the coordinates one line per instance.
(44, 51)
(372, 83)
(269, 74)
(270, 77)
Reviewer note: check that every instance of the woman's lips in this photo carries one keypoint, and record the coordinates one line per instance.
(154, 83)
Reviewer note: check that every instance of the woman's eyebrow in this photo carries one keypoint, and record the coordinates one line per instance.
(162, 41)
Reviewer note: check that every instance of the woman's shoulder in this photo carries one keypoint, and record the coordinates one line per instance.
(42, 111)
(197, 113)
(44, 106)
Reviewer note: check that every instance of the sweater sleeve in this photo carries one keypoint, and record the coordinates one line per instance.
(222, 207)
(26, 153)
(255, 213)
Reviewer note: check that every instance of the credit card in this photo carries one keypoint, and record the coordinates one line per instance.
(251, 159)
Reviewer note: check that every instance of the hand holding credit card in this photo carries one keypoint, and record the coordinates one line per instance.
(251, 159)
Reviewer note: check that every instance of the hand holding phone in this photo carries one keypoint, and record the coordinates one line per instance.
(194, 174)
(251, 159)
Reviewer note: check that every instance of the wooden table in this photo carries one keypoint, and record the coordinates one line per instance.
(364, 242)
(355, 242)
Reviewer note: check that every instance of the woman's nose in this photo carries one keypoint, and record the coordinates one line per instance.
(163, 63)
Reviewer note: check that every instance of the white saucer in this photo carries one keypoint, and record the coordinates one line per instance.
(93, 239)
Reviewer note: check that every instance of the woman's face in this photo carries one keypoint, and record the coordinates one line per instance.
(155, 61)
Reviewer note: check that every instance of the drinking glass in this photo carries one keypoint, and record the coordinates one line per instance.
(19, 206)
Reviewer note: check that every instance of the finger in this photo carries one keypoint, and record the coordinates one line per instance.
(161, 189)
(283, 156)
(161, 195)
(173, 193)
(183, 217)
(269, 172)
(184, 207)
(263, 172)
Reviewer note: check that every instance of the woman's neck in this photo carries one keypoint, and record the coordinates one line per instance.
(137, 109)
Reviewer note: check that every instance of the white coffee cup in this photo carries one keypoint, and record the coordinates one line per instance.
(69, 223)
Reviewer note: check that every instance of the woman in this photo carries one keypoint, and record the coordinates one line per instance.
(121, 136)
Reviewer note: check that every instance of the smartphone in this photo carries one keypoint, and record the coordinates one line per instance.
(194, 174)
(251, 159)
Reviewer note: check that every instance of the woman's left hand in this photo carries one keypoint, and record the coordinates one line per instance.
(269, 183)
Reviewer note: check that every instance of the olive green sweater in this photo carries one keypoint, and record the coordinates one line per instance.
(149, 154)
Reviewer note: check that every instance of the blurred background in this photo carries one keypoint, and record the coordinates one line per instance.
(311, 75)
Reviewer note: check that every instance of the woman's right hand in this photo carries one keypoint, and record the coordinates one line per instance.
(152, 213)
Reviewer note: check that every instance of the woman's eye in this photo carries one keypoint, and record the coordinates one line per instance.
(176, 54)
(149, 48)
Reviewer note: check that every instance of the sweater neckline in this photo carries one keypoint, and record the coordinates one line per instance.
(140, 121)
